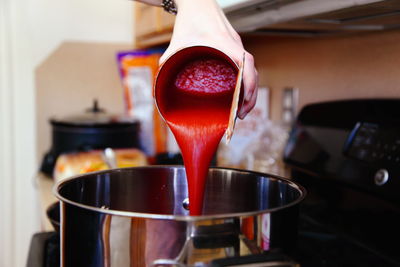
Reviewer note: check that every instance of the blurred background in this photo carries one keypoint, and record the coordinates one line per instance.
(57, 58)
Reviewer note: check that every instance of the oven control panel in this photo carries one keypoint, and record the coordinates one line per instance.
(349, 142)
(373, 143)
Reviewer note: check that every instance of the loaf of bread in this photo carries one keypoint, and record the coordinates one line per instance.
(71, 164)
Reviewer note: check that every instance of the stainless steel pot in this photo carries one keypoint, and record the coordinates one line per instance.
(136, 217)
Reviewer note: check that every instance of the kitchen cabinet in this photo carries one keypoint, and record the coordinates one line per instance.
(285, 17)
(153, 26)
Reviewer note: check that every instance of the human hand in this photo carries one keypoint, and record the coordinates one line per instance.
(204, 23)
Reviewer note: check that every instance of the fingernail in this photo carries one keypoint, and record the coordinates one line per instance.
(241, 114)
(248, 96)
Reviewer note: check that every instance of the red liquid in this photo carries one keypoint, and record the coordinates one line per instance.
(197, 111)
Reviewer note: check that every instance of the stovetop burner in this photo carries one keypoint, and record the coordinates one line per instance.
(320, 246)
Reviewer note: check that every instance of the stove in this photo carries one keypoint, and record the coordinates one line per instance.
(347, 155)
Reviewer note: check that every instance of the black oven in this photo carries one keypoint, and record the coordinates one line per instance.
(347, 155)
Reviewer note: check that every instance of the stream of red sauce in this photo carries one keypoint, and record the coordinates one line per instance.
(197, 111)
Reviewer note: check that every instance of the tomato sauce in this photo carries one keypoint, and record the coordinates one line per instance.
(208, 76)
(196, 108)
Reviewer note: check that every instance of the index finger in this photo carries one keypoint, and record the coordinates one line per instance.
(250, 83)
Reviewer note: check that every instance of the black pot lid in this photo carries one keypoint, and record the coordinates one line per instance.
(94, 117)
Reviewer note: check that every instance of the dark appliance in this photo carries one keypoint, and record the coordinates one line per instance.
(94, 129)
(346, 154)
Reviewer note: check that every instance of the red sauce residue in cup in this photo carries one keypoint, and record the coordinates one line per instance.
(206, 77)
(197, 110)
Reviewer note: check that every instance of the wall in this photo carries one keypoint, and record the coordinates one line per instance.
(30, 30)
(54, 21)
(357, 66)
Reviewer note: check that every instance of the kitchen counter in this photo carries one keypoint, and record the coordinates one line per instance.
(44, 186)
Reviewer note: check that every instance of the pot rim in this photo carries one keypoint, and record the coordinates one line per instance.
(302, 191)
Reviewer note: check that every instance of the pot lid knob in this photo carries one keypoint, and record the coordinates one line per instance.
(95, 108)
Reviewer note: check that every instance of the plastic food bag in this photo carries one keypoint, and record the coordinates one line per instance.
(137, 69)
(260, 151)
(266, 154)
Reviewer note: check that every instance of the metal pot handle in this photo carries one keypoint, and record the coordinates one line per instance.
(179, 260)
